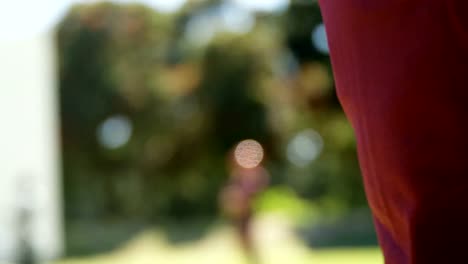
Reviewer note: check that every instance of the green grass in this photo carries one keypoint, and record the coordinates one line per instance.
(274, 239)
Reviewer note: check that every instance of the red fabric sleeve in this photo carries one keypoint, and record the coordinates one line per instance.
(401, 70)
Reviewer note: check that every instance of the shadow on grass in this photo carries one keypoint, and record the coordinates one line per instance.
(95, 237)
(355, 229)
(184, 231)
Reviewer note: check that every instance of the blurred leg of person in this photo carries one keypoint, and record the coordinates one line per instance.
(401, 70)
(236, 205)
(243, 226)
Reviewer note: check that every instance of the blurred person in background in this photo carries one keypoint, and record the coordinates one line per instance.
(400, 69)
(25, 213)
(247, 180)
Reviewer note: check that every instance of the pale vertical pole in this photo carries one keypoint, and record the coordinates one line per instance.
(29, 147)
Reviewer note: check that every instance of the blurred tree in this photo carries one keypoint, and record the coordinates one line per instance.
(335, 175)
(176, 108)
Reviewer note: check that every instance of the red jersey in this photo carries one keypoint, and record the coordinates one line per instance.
(401, 71)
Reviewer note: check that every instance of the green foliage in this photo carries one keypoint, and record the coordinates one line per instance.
(188, 106)
(283, 200)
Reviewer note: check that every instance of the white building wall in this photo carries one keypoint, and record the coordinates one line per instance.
(29, 167)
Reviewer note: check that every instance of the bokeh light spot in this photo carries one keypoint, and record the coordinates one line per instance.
(304, 148)
(249, 154)
(114, 132)
(320, 40)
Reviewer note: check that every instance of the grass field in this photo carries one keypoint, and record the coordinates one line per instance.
(274, 238)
